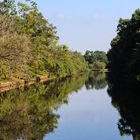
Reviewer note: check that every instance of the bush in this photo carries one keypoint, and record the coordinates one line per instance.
(15, 54)
(99, 65)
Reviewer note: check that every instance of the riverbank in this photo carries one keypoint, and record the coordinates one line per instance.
(19, 83)
(100, 70)
(9, 85)
(31, 47)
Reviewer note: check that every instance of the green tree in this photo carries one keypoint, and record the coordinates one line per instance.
(8, 7)
(124, 55)
(96, 60)
(39, 49)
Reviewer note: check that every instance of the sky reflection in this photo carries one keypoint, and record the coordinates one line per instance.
(88, 115)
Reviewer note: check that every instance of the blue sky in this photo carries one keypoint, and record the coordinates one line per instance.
(87, 24)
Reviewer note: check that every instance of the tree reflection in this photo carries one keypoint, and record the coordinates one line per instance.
(96, 80)
(30, 114)
(126, 98)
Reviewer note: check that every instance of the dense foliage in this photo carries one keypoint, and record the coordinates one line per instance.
(124, 56)
(29, 44)
(96, 60)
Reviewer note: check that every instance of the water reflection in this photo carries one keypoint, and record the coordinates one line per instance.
(126, 99)
(32, 113)
(96, 80)
(29, 114)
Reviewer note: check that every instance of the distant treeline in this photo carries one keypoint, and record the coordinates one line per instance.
(29, 45)
(124, 55)
(96, 60)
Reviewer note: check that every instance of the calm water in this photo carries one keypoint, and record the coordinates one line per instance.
(71, 109)
(88, 115)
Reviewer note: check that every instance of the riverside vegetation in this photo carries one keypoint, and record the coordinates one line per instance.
(96, 60)
(124, 56)
(29, 45)
(29, 48)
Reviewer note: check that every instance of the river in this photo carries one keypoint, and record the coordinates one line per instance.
(78, 108)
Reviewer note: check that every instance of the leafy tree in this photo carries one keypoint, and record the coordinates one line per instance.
(89, 56)
(100, 56)
(7, 25)
(33, 24)
(96, 60)
(124, 58)
(99, 65)
(15, 54)
(8, 7)
(26, 34)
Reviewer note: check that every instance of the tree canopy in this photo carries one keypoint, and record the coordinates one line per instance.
(29, 44)
(96, 60)
(124, 55)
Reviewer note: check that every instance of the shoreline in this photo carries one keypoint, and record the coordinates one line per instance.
(9, 85)
(100, 70)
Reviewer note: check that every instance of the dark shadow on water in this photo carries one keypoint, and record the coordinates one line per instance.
(126, 99)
